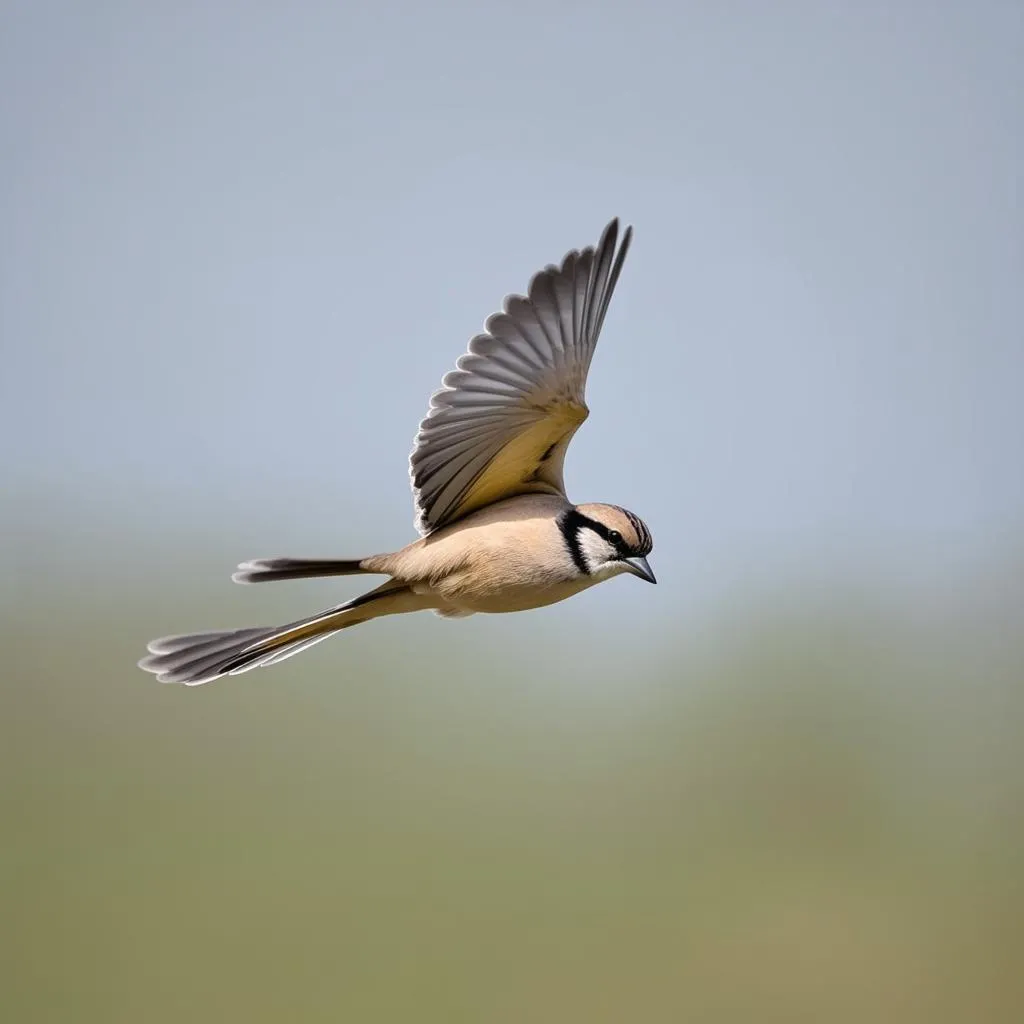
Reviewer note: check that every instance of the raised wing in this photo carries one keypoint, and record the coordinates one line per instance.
(504, 417)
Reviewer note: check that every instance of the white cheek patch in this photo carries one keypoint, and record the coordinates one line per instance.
(599, 556)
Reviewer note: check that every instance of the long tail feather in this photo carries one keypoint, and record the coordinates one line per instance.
(267, 570)
(195, 658)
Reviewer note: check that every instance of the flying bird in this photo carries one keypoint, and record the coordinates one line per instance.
(497, 532)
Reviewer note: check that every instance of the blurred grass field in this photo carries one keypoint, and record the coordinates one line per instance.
(801, 809)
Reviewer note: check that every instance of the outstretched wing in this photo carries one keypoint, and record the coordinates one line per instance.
(503, 419)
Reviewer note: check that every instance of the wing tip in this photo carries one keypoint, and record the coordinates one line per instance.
(610, 236)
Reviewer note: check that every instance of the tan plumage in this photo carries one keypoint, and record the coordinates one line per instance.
(498, 532)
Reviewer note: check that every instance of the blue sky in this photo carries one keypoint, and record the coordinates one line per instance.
(242, 245)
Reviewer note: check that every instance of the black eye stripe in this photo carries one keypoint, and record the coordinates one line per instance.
(613, 537)
(601, 530)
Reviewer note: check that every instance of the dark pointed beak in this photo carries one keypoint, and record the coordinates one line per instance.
(638, 567)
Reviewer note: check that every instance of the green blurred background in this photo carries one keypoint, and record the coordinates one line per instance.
(812, 812)
(240, 247)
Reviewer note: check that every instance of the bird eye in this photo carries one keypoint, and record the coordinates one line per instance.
(615, 537)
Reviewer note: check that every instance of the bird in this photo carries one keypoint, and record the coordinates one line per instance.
(497, 532)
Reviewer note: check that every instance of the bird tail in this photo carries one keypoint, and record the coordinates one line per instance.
(267, 570)
(195, 658)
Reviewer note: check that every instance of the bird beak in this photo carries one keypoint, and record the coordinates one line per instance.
(638, 567)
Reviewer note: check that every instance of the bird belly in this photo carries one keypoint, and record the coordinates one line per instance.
(507, 594)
